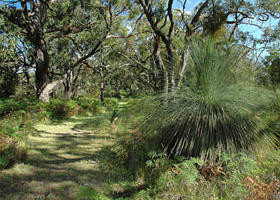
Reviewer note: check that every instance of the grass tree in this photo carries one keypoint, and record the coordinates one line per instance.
(213, 111)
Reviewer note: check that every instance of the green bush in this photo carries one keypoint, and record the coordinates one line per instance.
(88, 104)
(11, 151)
(17, 125)
(125, 160)
(89, 193)
(143, 195)
(269, 162)
(197, 179)
(111, 103)
(61, 108)
(10, 105)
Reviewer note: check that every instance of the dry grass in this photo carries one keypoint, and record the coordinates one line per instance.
(261, 190)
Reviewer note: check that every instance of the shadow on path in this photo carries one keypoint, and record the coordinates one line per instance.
(61, 158)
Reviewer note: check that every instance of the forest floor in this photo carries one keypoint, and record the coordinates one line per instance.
(61, 159)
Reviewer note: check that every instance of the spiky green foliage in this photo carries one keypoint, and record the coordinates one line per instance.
(213, 111)
(271, 119)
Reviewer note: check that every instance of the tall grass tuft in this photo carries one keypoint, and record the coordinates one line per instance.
(213, 111)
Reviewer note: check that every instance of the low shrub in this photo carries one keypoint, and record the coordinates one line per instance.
(61, 108)
(110, 103)
(143, 195)
(89, 193)
(11, 151)
(229, 176)
(88, 105)
(269, 162)
(17, 125)
(124, 161)
(236, 176)
(17, 116)
(10, 105)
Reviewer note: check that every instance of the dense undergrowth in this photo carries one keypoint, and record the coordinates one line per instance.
(137, 169)
(216, 137)
(134, 167)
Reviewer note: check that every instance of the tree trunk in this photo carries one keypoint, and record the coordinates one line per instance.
(102, 91)
(102, 85)
(165, 76)
(184, 66)
(170, 66)
(26, 74)
(44, 96)
(68, 90)
(165, 72)
(42, 65)
(118, 95)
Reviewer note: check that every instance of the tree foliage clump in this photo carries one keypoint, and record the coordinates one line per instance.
(9, 60)
(212, 111)
(274, 72)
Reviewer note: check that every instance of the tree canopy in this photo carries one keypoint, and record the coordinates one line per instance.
(126, 45)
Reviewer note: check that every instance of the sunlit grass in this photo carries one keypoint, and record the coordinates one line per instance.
(61, 158)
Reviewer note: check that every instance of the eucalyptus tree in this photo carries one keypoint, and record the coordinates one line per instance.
(30, 17)
(78, 32)
(253, 24)
(9, 67)
(115, 69)
(86, 24)
(16, 59)
(216, 18)
(270, 71)
(133, 56)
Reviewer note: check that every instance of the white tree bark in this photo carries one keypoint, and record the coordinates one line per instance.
(45, 94)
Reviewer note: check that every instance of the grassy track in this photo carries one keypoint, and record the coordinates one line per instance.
(61, 159)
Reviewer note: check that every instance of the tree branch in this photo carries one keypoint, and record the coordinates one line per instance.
(199, 12)
(170, 15)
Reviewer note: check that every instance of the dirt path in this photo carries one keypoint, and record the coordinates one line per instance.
(62, 157)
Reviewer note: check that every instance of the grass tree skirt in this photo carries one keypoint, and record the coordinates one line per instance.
(214, 109)
(199, 134)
